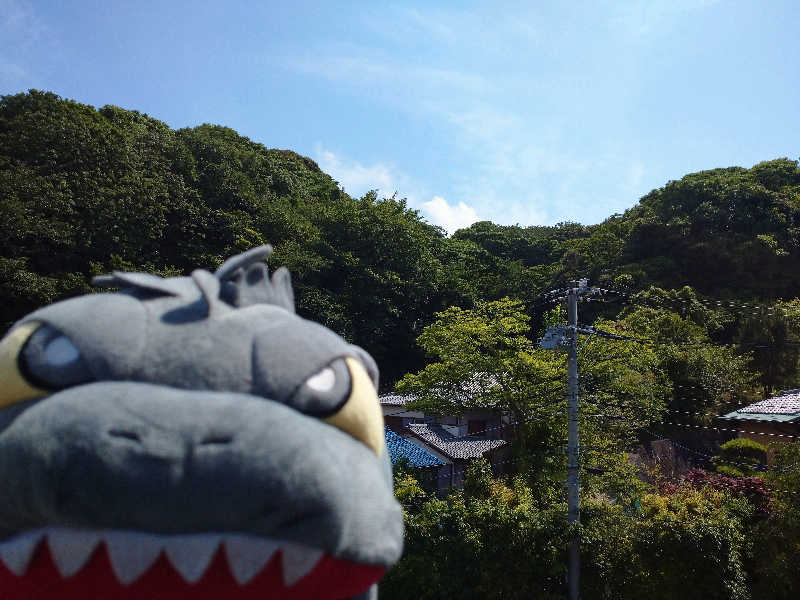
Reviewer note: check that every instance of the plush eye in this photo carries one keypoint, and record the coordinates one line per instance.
(50, 360)
(325, 391)
(60, 351)
(322, 381)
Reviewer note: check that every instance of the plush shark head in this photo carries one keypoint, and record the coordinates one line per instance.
(191, 436)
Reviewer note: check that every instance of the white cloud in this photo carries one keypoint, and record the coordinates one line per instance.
(355, 177)
(449, 217)
(507, 148)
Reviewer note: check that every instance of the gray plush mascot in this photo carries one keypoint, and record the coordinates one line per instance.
(191, 437)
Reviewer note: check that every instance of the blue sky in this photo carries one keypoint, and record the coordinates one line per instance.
(514, 112)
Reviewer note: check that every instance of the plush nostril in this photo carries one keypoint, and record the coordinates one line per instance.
(125, 433)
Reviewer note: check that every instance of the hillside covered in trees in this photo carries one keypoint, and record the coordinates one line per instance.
(706, 270)
(85, 191)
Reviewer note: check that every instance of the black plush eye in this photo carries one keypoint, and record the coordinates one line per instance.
(50, 360)
(325, 391)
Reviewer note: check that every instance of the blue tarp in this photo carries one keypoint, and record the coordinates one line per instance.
(401, 448)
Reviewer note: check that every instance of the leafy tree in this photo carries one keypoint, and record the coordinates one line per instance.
(777, 539)
(499, 541)
(495, 543)
(484, 358)
(706, 378)
(688, 544)
(772, 336)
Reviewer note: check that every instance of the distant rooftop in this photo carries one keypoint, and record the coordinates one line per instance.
(395, 399)
(401, 448)
(442, 440)
(464, 392)
(784, 407)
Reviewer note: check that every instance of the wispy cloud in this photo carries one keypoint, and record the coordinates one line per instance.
(509, 144)
(449, 216)
(387, 77)
(355, 177)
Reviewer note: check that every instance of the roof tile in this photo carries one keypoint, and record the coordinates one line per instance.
(452, 446)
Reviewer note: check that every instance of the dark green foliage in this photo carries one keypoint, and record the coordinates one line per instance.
(497, 541)
(776, 543)
(478, 479)
(771, 334)
(85, 191)
(741, 457)
(688, 545)
(727, 230)
(496, 544)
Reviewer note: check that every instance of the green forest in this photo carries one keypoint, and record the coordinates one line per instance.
(702, 278)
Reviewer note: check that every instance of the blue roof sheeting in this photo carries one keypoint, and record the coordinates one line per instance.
(400, 448)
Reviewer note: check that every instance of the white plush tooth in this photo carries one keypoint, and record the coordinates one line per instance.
(190, 554)
(298, 561)
(131, 553)
(247, 555)
(71, 548)
(16, 553)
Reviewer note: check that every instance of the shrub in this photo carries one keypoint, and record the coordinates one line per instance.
(741, 457)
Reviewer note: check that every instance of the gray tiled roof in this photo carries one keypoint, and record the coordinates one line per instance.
(395, 399)
(436, 436)
(464, 392)
(785, 407)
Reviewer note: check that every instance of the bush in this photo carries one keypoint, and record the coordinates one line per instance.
(741, 457)
(775, 574)
(496, 544)
(688, 545)
(753, 489)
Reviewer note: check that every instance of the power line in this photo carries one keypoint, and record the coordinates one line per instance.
(691, 426)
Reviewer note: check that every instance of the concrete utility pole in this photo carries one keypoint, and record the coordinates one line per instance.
(573, 449)
(559, 336)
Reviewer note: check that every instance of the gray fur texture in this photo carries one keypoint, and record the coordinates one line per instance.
(191, 413)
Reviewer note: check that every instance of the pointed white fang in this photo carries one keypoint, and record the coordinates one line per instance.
(298, 561)
(247, 555)
(16, 553)
(131, 553)
(71, 548)
(191, 554)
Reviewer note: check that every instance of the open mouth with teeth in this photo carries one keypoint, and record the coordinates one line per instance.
(66, 563)
(190, 438)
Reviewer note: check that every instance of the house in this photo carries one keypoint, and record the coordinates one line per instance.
(456, 440)
(434, 467)
(771, 420)
(457, 446)
(395, 415)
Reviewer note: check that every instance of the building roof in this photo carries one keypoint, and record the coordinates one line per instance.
(464, 392)
(395, 399)
(782, 408)
(452, 446)
(400, 448)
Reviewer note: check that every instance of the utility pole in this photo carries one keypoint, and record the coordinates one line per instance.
(556, 337)
(573, 449)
